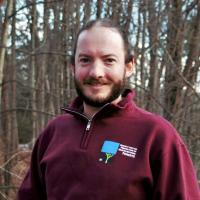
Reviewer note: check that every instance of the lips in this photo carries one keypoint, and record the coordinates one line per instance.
(97, 84)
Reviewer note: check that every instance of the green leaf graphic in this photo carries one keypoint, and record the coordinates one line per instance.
(108, 156)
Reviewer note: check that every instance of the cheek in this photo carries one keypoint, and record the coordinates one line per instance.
(81, 74)
(116, 75)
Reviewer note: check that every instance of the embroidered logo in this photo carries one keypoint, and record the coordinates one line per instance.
(110, 149)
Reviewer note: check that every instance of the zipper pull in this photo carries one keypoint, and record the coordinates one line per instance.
(88, 125)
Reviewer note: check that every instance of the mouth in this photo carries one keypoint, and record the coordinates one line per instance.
(95, 82)
(96, 85)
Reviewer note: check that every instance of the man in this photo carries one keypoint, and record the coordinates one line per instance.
(105, 147)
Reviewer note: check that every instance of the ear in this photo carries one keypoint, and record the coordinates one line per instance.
(129, 68)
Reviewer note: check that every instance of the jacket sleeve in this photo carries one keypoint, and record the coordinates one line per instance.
(173, 171)
(33, 187)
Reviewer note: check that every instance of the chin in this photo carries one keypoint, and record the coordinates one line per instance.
(98, 96)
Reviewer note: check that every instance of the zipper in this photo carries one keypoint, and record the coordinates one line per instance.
(75, 112)
(86, 135)
(88, 125)
(87, 132)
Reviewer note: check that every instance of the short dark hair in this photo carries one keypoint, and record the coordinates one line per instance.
(108, 24)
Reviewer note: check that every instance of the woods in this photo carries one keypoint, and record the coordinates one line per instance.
(35, 79)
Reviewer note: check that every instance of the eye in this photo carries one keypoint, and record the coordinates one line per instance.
(110, 61)
(84, 60)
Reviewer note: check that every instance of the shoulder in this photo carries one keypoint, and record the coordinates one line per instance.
(165, 141)
(53, 128)
(58, 121)
(151, 118)
(160, 130)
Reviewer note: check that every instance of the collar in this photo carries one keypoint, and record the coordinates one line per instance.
(126, 103)
(127, 97)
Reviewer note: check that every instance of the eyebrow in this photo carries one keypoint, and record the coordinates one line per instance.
(103, 56)
(84, 54)
(109, 55)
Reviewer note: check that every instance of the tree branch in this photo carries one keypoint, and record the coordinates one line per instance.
(31, 4)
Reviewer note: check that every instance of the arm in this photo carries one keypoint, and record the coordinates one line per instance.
(33, 187)
(174, 174)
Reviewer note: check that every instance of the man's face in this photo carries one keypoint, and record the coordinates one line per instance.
(100, 68)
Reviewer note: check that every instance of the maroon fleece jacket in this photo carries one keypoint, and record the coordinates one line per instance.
(123, 153)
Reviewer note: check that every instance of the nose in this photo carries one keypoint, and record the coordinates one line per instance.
(97, 70)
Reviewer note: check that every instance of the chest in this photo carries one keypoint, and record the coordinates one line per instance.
(97, 159)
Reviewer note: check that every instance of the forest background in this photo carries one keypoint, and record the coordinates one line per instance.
(36, 39)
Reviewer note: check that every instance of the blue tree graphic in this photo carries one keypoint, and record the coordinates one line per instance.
(110, 149)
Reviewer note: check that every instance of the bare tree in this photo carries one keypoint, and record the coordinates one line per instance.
(9, 118)
(9, 10)
(35, 72)
(99, 6)
(33, 31)
(154, 80)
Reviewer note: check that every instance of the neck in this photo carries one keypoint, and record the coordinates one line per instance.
(90, 111)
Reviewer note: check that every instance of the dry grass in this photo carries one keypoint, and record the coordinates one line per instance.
(19, 164)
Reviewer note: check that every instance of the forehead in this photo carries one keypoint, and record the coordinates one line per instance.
(100, 39)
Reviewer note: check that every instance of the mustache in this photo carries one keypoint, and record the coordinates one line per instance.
(91, 81)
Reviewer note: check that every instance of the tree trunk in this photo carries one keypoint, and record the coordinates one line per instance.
(173, 86)
(190, 71)
(41, 71)
(99, 5)
(5, 32)
(10, 129)
(153, 41)
(142, 66)
(87, 10)
(33, 71)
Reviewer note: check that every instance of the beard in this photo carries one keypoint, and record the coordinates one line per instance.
(115, 91)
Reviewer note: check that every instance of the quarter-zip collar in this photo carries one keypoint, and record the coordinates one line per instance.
(76, 108)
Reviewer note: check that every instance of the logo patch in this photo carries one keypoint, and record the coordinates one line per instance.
(110, 149)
